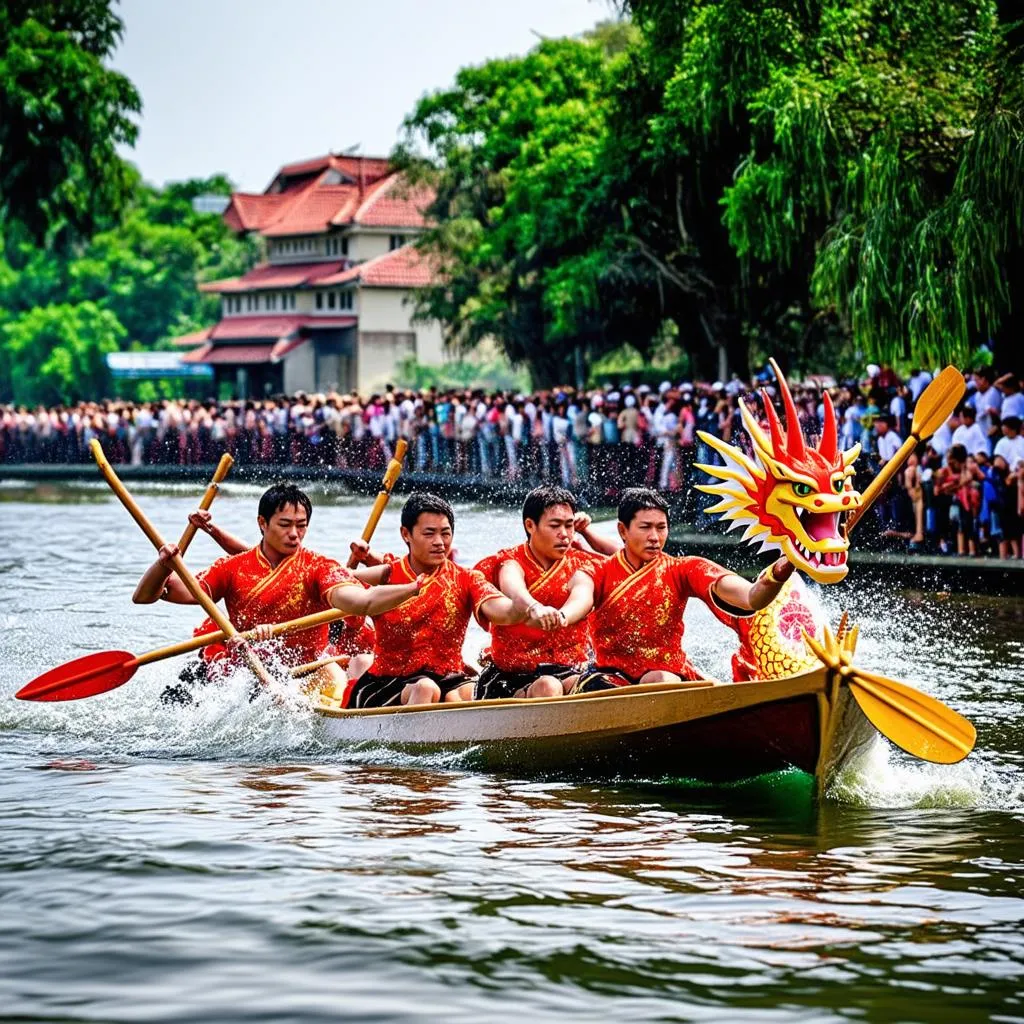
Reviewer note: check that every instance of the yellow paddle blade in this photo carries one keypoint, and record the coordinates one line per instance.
(915, 722)
(937, 403)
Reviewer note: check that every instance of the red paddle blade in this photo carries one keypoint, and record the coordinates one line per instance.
(83, 677)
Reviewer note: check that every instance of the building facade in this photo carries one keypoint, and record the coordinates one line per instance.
(328, 308)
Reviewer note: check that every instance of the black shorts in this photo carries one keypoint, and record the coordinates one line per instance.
(599, 677)
(494, 684)
(372, 691)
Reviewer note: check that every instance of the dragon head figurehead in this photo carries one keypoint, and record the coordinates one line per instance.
(792, 497)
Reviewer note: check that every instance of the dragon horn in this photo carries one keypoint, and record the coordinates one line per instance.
(795, 447)
(828, 447)
(778, 445)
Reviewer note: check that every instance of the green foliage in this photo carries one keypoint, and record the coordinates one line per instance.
(492, 374)
(526, 226)
(141, 274)
(56, 354)
(62, 116)
(866, 157)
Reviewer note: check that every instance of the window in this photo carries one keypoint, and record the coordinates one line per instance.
(344, 247)
(345, 300)
(396, 242)
(330, 300)
(319, 300)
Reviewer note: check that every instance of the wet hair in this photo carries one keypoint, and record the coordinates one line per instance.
(540, 499)
(420, 502)
(280, 494)
(636, 499)
(957, 452)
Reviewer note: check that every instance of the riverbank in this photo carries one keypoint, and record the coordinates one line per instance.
(938, 573)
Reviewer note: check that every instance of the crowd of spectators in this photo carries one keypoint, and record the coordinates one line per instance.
(961, 493)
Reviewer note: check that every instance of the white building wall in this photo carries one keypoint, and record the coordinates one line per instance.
(385, 311)
(364, 246)
(300, 369)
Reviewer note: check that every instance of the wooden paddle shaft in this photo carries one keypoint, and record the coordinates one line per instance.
(223, 468)
(205, 639)
(936, 404)
(874, 489)
(186, 577)
(390, 476)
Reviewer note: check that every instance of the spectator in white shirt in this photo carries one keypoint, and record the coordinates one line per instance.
(888, 440)
(970, 435)
(986, 400)
(1013, 397)
(1011, 445)
(919, 380)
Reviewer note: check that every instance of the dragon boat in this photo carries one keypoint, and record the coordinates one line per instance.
(796, 700)
(716, 733)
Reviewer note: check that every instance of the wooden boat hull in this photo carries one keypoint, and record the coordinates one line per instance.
(715, 733)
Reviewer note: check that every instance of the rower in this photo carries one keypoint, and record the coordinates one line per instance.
(542, 659)
(351, 636)
(417, 655)
(275, 581)
(638, 596)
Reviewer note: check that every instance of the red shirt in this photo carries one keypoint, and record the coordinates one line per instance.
(426, 632)
(638, 613)
(255, 593)
(522, 648)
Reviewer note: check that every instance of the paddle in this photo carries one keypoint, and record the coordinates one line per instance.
(937, 403)
(186, 577)
(107, 670)
(383, 497)
(913, 721)
(223, 468)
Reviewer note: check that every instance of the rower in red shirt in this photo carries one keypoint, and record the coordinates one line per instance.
(639, 594)
(542, 658)
(417, 656)
(275, 581)
(351, 636)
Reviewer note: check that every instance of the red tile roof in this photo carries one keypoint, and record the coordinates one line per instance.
(230, 354)
(301, 201)
(401, 268)
(256, 327)
(268, 275)
(396, 204)
(191, 340)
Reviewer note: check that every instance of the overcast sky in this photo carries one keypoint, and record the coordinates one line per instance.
(244, 86)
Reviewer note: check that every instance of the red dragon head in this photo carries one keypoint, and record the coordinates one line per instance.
(793, 498)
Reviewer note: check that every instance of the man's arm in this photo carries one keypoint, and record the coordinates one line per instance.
(202, 520)
(374, 601)
(512, 583)
(736, 591)
(580, 602)
(160, 582)
(602, 545)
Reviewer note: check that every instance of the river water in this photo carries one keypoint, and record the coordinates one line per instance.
(221, 863)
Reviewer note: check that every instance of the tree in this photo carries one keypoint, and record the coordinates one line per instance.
(57, 354)
(62, 116)
(525, 227)
(840, 161)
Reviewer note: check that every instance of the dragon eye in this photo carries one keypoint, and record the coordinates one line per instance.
(802, 490)
(838, 485)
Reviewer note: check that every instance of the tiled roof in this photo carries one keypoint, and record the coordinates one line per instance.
(191, 340)
(372, 168)
(395, 204)
(267, 275)
(244, 355)
(401, 268)
(302, 201)
(256, 327)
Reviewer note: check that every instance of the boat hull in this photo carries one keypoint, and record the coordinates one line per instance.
(714, 733)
